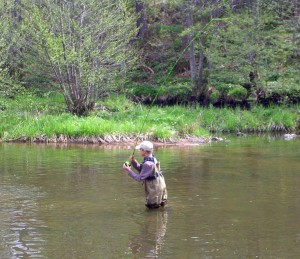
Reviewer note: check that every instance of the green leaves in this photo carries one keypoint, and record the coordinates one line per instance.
(87, 43)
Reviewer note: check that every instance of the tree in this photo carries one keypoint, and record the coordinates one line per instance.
(87, 44)
(140, 8)
(11, 41)
(12, 46)
(199, 15)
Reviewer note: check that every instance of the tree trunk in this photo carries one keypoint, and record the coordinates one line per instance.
(192, 59)
(199, 82)
(200, 75)
(140, 8)
(255, 12)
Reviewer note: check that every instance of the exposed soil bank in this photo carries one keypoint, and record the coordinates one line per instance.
(130, 140)
(116, 139)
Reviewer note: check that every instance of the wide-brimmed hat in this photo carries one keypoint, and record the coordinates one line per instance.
(146, 145)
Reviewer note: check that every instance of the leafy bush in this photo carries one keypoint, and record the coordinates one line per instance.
(170, 92)
(178, 91)
(223, 88)
(280, 91)
(215, 96)
(294, 95)
(238, 93)
(274, 77)
(9, 88)
(144, 90)
(229, 92)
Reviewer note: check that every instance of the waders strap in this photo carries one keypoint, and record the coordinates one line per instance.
(153, 177)
(157, 171)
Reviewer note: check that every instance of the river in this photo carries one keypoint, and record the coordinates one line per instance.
(233, 199)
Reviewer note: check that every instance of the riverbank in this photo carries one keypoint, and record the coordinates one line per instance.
(117, 140)
(117, 119)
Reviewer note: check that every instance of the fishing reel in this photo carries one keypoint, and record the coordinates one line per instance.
(127, 163)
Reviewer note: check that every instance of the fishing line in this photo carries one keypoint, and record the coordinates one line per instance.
(167, 77)
(158, 92)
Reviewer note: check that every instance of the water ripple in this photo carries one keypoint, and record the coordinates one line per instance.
(19, 223)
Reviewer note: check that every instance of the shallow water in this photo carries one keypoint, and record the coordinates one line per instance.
(237, 199)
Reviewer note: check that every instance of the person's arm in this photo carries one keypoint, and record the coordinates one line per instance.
(146, 171)
(135, 164)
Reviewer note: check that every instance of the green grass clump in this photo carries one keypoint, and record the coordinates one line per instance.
(31, 117)
(259, 119)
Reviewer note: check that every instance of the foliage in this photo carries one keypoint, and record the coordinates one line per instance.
(89, 48)
(215, 96)
(282, 91)
(12, 40)
(238, 93)
(228, 93)
(168, 92)
(8, 87)
(86, 44)
(179, 89)
(144, 90)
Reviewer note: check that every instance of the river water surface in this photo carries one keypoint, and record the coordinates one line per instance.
(236, 199)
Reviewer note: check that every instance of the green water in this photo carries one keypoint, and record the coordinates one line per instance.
(237, 199)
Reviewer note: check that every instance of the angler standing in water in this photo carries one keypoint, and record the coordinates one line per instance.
(150, 174)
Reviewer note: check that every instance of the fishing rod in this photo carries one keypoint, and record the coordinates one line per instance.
(167, 77)
(156, 96)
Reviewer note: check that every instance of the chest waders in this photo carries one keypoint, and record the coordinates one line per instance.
(155, 186)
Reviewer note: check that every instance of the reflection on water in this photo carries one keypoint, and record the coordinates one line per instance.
(237, 199)
(149, 242)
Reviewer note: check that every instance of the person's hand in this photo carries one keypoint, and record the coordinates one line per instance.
(132, 159)
(126, 167)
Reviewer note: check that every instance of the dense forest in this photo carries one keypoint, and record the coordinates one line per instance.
(225, 53)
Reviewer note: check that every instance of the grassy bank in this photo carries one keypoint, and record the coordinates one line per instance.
(29, 116)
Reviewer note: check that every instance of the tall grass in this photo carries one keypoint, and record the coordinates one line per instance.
(31, 117)
(259, 119)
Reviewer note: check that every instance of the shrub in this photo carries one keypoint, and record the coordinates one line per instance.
(294, 95)
(144, 90)
(238, 93)
(178, 92)
(9, 88)
(274, 77)
(223, 88)
(215, 96)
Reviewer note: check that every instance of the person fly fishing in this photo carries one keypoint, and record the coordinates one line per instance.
(150, 174)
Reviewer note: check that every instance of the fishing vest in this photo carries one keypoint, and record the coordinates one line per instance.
(156, 172)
